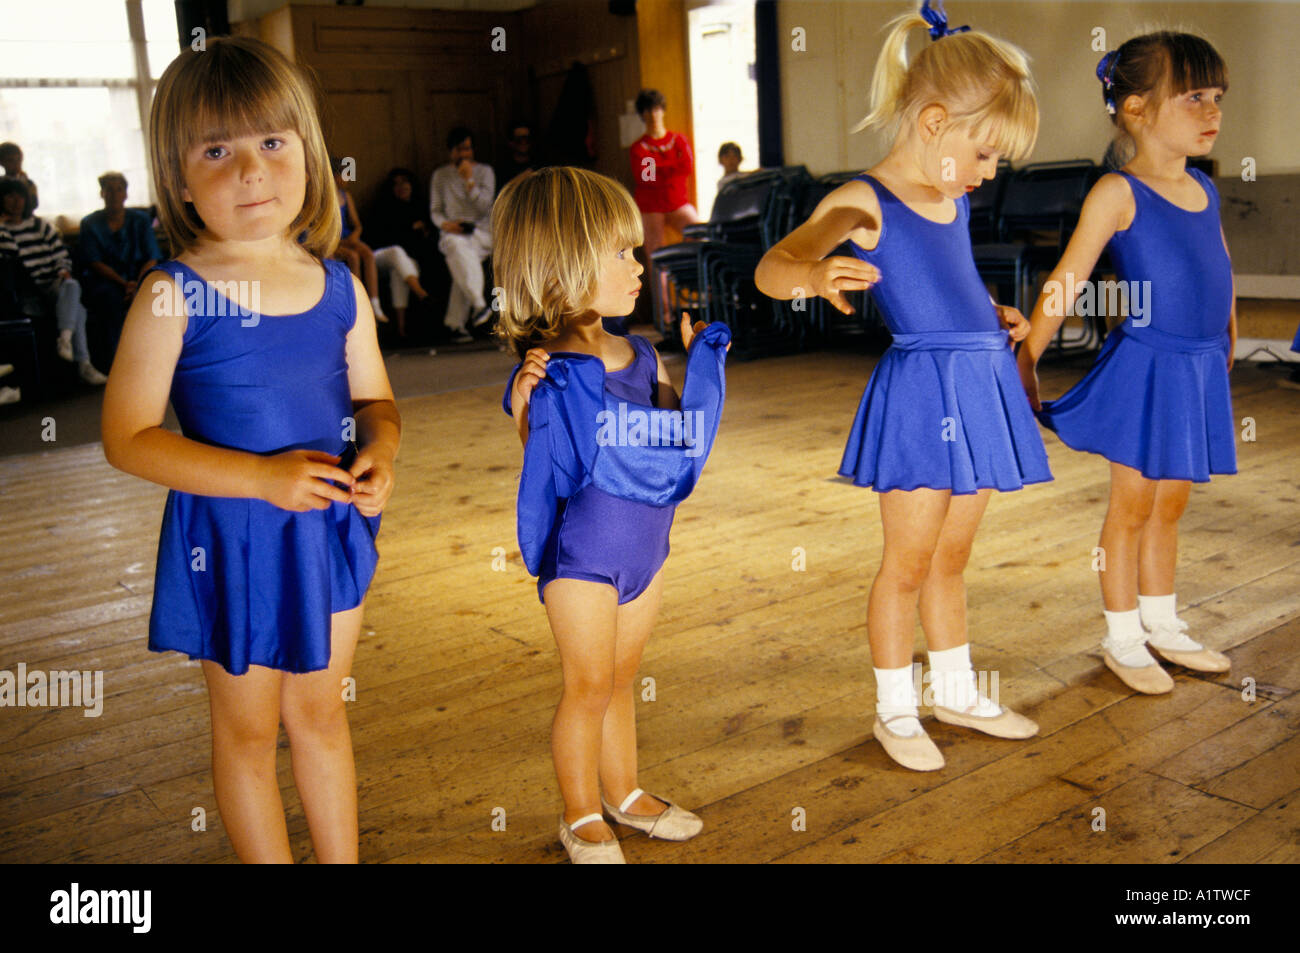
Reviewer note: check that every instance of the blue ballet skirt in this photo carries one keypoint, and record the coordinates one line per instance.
(944, 408)
(240, 581)
(1157, 399)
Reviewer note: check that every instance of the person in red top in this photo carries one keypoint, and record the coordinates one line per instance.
(662, 163)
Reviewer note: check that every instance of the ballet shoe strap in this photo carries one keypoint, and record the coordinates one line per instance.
(586, 820)
(630, 800)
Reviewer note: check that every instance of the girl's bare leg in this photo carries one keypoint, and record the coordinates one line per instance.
(245, 725)
(943, 594)
(913, 523)
(320, 742)
(1158, 543)
(618, 735)
(584, 620)
(1132, 498)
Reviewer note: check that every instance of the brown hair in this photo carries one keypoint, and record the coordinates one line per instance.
(237, 86)
(1160, 65)
(550, 229)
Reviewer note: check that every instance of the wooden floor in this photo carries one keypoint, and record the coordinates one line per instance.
(763, 688)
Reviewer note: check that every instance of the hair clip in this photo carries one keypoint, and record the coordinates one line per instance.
(937, 17)
(1106, 73)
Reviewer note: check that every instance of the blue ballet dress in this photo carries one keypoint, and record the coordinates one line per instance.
(1157, 398)
(944, 408)
(597, 495)
(241, 581)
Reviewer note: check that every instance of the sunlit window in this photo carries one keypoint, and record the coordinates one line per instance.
(73, 91)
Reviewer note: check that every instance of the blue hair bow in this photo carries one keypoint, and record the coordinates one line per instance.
(937, 17)
(1106, 73)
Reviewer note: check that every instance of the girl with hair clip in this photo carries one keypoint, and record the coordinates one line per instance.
(598, 489)
(1156, 403)
(267, 349)
(942, 422)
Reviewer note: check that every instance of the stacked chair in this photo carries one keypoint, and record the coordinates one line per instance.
(1025, 229)
(1020, 223)
(711, 274)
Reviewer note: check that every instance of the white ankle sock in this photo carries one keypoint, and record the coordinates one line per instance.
(896, 695)
(377, 307)
(1167, 631)
(952, 680)
(1125, 639)
(1155, 609)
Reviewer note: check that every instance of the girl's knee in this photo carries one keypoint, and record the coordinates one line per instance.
(589, 691)
(317, 713)
(907, 571)
(950, 561)
(250, 735)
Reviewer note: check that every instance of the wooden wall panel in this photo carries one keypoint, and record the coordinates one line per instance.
(396, 80)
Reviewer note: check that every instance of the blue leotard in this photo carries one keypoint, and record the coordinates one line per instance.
(1157, 398)
(599, 489)
(944, 408)
(603, 538)
(241, 581)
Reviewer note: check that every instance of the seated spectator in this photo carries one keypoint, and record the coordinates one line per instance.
(520, 142)
(46, 261)
(460, 203)
(402, 233)
(118, 246)
(729, 157)
(11, 159)
(359, 256)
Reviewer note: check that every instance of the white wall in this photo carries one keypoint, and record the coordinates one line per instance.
(825, 88)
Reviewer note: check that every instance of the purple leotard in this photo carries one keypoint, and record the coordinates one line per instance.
(604, 538)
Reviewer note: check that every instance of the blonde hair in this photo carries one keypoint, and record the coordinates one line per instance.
(981, 81)
(237, 86)
(550, 228)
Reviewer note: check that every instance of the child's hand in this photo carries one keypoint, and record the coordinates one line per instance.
(1013, 320)
(374, 476)
(689, 331)
(302, 480)
(1029, 378)
(530, 375)
(832, 277)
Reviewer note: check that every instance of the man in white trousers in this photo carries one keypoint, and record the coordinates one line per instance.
(460, 204)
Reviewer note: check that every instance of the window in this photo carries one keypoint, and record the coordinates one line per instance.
(76, 80)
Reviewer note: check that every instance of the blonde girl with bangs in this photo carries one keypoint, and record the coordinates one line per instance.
(268, 354)
(563, 260)
(943, 421)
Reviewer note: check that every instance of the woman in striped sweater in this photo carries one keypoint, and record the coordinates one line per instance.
(45, 258)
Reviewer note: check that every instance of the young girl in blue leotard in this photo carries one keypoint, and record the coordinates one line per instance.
(942, 422)
(267, 350)
(1156, 403)
(563, 261)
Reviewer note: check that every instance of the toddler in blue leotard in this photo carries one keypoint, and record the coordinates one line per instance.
(597, 494)
(942, 422)
(1156, 403)
(267, 350)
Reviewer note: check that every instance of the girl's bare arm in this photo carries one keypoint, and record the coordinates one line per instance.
(797, 265)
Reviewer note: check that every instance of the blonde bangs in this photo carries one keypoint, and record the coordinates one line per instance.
(1009, 122)
(238, 87)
